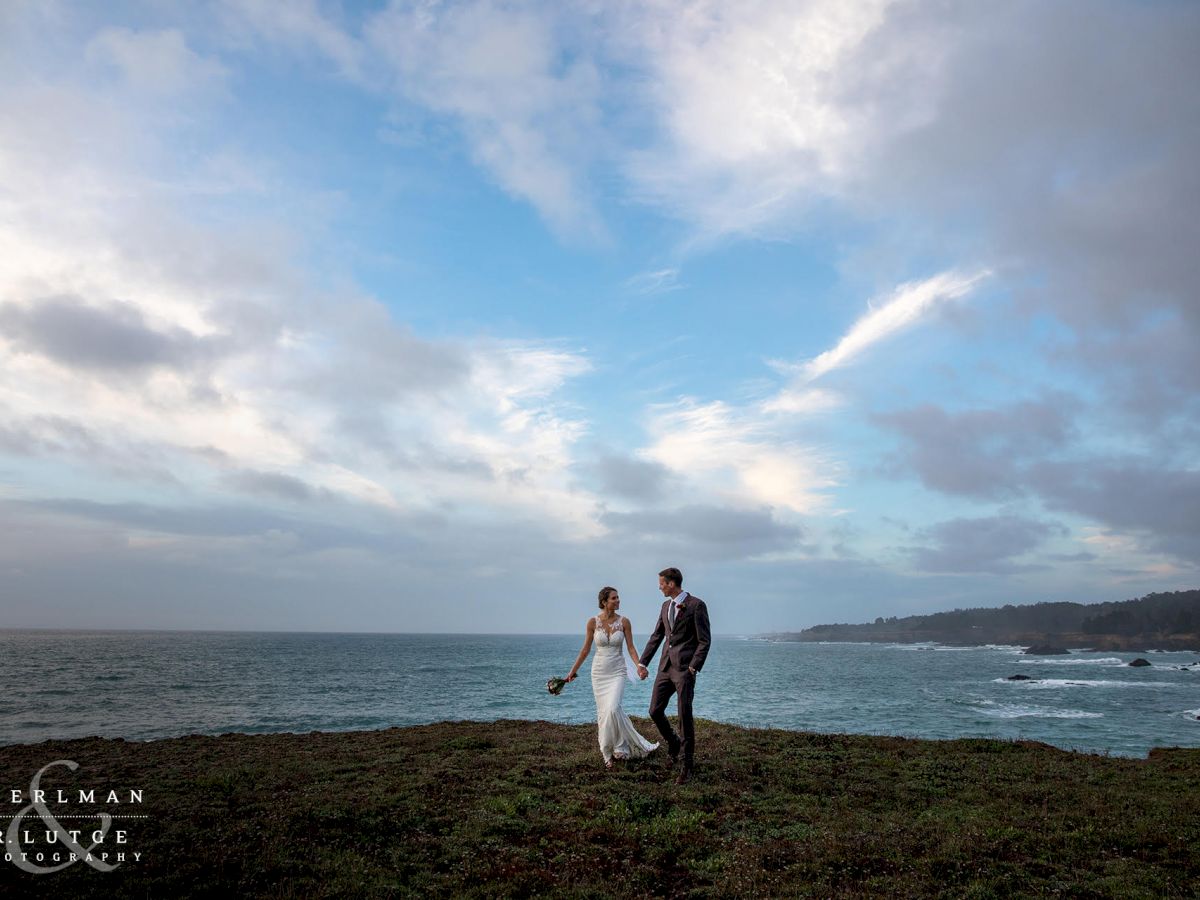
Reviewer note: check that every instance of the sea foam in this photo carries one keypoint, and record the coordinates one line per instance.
(1105, 661)
(1019, 711)
(1084, 682)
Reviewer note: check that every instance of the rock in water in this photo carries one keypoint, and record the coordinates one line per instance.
(1045, 650)
(1019, 678)
(1141, 662)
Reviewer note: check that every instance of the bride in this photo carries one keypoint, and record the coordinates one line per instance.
(612, 633)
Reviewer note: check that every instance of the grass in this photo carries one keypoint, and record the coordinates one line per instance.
(526, 808)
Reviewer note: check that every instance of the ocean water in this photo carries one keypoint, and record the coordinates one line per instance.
(142, 685)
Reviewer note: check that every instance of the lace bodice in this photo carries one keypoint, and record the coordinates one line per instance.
(610, 649)
(612, 636)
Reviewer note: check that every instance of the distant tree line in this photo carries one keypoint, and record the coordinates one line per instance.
(1176, 613)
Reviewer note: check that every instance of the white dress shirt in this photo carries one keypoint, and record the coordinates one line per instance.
(674, 610)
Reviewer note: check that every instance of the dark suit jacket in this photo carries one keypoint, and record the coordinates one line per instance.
(687, 642)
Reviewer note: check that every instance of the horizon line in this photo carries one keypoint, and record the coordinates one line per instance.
(4, 628)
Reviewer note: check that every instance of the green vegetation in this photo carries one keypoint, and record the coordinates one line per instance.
(526, 808)
(1169, 621)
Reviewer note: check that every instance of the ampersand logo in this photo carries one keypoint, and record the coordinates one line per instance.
(62, 847)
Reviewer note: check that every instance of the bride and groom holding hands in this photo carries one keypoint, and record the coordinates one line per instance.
(683, 631)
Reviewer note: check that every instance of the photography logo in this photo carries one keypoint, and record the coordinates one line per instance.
(49, 845)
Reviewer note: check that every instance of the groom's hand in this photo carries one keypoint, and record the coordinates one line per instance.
(692, 671)
(642, 672)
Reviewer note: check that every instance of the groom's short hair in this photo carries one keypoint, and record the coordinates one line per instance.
(672, 575)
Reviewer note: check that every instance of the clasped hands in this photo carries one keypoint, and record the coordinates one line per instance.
(643, 671)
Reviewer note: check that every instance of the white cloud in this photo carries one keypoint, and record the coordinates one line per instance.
(739, 457)
(315, 387)
(527, 109)
(658, 281)
(155, 62)
(749, 102)
(907, 304)
(298, 26)
(802, 401)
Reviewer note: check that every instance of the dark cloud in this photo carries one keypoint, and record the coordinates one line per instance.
(1128, 495)
(984, 545)
(989, 454)
(1082, 556)
(403, 447)
(274, 484)
(978, 453)
(57, 436)
(367, 356)
(633, 479)
(211, 521)
(1055, 143)
(726, 532)
(39, 435)
(115, 337)
(372, 359)
(1063, 134)
(228, 521)
(1150, 373)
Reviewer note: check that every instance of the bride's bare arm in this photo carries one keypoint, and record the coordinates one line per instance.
(633, 654)
(587, 646)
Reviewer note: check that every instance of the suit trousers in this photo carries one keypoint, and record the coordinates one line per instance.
(682, 682)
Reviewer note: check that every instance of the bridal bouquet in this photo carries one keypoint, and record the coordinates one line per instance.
(555, 685)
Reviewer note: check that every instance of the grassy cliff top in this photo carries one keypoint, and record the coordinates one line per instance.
(520, 808)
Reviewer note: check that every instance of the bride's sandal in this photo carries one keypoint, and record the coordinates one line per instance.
(608, 764)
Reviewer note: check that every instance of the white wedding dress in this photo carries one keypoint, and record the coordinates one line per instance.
(611, 667)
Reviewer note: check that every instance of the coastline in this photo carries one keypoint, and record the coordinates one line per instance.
(159, 688)
(1096, 644)
(519, 807)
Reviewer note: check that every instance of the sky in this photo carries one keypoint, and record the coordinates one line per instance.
(440, 316)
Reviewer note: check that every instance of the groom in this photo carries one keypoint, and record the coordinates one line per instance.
(683, 621)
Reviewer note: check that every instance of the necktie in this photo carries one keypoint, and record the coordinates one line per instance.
(675, 608)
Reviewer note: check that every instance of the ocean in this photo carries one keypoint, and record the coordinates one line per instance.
(145, 685)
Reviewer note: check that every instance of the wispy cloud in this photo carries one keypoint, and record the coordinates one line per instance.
(528, 110)
(299, 27)
(905, 306)
(659, 281)
(902, 308)
(155, 62)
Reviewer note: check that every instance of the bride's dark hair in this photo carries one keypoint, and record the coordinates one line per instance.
(604, 593)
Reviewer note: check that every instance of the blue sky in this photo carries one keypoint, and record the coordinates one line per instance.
(440, 316)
